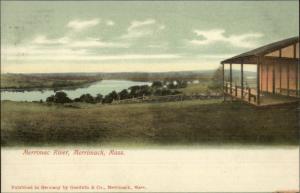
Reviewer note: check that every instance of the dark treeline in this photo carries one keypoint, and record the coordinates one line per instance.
(158, 88)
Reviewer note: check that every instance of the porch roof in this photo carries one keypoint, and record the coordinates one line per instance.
(251, 56)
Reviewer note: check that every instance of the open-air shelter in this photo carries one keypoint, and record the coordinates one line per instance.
(276, 77)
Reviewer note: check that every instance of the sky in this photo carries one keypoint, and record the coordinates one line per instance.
(135, 36)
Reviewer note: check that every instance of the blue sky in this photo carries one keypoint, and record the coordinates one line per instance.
(102, 36)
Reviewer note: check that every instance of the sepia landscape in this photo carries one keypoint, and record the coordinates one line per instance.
(95, 78)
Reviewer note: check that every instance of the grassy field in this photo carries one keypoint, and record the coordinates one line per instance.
(187, 122)
(191, 89)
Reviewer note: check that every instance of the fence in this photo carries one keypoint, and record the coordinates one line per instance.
(168, 98)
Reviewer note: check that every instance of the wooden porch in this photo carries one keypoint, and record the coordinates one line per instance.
(276, 77)
(249, 95)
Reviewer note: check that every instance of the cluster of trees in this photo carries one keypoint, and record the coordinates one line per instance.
(157, 88)
(217, 80)
(176, 84)
(59, 97)
(170, 84)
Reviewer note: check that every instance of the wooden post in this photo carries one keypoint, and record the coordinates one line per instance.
(258, 80)
(273, 79)
(249, 94)
(280, 77)
(230, 78)
(280, 69)
(297, 72)
(288, 79)
(242, 79)
(267, 80)
(223, 72)
(235, 90)
(261, 77)
(297, 79)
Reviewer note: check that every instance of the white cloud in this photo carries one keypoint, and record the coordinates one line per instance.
(73, 55)
(85, 43)
(95, 42)
(83, 24)
(41, 39)
(137, 24)
(34, 51)
(110, 23)
(217, 35)
(158, 45)
(138, 29)
(214, 56)
(75, 52)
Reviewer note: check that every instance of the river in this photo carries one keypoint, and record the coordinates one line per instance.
(103, 87)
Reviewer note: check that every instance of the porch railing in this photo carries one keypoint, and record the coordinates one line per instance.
(248, 94)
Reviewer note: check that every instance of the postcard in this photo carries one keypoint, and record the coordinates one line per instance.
(150, 96)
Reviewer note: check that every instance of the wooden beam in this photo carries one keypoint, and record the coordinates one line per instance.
(294, 47)
(297, 79)
(288, 80)
(258, 80)
(284, 61)
(280, 69)
(261, 77)
(247, 60)
(242, 79)
(297, 72)
(230, 78)
(223, 72)
(267, 79)
(252, 59)
(273, 79)
(280, 53)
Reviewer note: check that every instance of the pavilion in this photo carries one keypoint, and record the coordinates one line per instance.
(276, 78)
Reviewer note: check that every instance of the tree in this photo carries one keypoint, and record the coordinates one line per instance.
(181, 83)
(87, 98)
(157, 84)
(145, 90)
(217, 80)
(59, 97)
(134, 91)
(50, 99)
(124, 94)
(99, 98)
(110, 97)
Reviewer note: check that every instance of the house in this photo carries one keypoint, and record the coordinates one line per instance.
(276, 76)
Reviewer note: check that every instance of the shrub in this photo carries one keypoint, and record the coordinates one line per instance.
(99, 98)
(87, 98)
(110, 97)
(157, 84)
(59, 97)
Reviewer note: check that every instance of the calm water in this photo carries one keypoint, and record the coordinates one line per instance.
(104, 87)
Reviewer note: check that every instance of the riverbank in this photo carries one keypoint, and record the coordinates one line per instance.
(102, 87)
(28, 82)
(167, 123)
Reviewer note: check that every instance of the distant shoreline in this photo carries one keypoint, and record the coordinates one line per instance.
(74, 87)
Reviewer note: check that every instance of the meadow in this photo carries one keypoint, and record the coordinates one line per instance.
(169, 123)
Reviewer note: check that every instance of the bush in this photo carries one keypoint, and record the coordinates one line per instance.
(157, 84)
(110, 97)
(87, 98)
(124, 94)
(217, 80)
(59, 97)
(99, 98)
